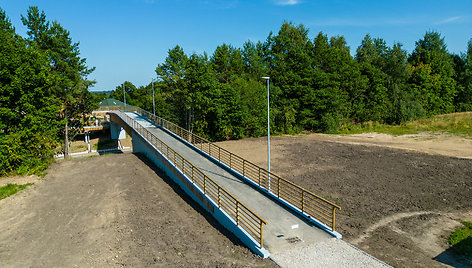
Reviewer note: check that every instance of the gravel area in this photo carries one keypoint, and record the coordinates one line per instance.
(330, 253)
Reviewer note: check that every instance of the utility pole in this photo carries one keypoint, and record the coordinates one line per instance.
(66, 137)
(124, 95)
(268, 129)
(153, 102)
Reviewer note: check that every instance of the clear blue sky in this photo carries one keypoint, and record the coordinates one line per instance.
(127, 39)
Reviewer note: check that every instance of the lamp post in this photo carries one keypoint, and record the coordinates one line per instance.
(153, 102)
(268, 129)
(124, 95)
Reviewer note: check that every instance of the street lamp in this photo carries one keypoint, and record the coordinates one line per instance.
(124, 95)
(268, 129)
(153, 102)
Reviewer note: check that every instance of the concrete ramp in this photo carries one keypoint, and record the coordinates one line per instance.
(284, 230)
(287, 234)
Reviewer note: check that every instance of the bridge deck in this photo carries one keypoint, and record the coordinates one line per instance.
(282, 223)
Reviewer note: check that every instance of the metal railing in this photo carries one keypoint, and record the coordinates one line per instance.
(308, 202)
(240, 213)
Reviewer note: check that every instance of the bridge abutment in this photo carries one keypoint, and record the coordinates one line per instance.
(117, 132)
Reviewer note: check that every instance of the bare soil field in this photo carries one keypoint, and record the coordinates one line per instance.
(112, 211)
(400, 197)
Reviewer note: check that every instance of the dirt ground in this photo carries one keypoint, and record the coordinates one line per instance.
(112, 211)
(400, 196)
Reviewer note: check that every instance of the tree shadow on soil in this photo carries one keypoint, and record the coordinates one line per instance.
(104, 142)
(450, 257)
(190, 201)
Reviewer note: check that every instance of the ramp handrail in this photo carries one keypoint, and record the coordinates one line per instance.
(309, 203)
(240, 213)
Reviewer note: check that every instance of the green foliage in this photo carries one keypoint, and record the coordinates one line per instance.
(11, 189)
(463, 69)
(105, 144)
(42, 86)
(99, 96)
(456, 123)
(24, 152)
(315, 84)
(461, 240)
(432, 75)
(66, 67)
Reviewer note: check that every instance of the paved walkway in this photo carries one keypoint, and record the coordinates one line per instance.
(283, 226)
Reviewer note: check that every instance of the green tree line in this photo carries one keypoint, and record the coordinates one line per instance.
(316, 84)
(43, 90)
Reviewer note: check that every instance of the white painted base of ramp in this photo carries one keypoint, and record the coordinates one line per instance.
(329, 253)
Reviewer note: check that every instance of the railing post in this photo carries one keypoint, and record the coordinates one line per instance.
(193, 177)
(237, 213)
(244, 169)
(219, 197)
(259, 177)
(261, 242)
(204, 184)
(278, 187)
(230, 159)
(219, 154)
(209, 149)
(334, 217)
(303, 200)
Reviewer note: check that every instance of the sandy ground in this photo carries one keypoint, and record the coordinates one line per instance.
(427, 142)
(112, 211)
(400, 196)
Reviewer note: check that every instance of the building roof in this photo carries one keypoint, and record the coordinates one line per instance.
(111, 102)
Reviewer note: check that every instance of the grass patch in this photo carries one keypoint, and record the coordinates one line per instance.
(11, 189)
(456, 123)
(78, 148)
(461, 240)
(105, 144)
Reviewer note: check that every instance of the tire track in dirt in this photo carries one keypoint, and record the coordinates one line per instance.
(386, 221)
(393, 200)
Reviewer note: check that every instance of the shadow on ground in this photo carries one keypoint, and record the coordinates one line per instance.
(450, 257)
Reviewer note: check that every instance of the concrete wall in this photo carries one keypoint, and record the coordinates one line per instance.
(117, 132)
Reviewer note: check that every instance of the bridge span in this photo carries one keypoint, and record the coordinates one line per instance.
(272, 216)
